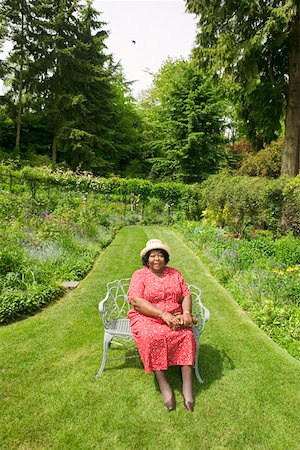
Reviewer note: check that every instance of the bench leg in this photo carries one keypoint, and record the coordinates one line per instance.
(106, 343)
(196, 366)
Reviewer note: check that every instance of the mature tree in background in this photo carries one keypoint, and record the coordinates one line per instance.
(75, 100)
(257, 44)
(86, 136)
(126, 129)
(103, 134)
(184, 116)
(15, 23)
(54, 71)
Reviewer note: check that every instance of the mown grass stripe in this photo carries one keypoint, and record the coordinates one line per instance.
(51, 399)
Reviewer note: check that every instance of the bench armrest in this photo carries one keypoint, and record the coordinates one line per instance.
(115, 305)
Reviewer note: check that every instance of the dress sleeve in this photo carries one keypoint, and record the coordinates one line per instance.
(184, 289)
(137, 286)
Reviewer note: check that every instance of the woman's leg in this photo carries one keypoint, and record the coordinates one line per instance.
(164, 386)
(187, 383)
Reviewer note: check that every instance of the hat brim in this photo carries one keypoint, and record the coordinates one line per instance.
(155, 246)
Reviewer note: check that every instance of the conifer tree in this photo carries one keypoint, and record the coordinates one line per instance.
(257, 44)
(53, 70)
(14, 26)
(185, 120)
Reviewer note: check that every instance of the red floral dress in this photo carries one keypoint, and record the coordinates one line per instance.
(159, 345)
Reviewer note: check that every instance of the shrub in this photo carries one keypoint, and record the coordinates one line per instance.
(287, 251)
(265, 163)
(18, 304)
(238, 202)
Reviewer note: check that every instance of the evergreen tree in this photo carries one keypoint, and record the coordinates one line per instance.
(126, 129)
(257, 44)
(14, 26)
(185, 121)
(76, 101)
(53, 70)
(87, 136)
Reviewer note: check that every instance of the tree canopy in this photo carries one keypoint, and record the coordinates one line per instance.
(184, 117)
(65, 95)
(257, 45)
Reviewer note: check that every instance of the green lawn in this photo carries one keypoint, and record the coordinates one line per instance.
(50, 398)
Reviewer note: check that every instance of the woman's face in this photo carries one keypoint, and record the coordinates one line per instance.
(156, 261)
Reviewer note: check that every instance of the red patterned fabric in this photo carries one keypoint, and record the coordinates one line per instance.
(160, 346)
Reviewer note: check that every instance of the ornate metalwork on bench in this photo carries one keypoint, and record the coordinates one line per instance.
(114, 308)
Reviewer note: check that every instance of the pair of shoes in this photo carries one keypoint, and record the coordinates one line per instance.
(171, 404)
(189, 405)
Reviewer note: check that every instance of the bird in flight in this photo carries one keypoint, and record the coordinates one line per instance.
(133, 42)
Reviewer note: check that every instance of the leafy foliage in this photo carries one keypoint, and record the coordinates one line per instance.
(184, 119)
(238, 202)
(53, 238)
(255, 45)
(262, 273)
(66, 96)
(54, 224)
(266, 163)
(37, 178)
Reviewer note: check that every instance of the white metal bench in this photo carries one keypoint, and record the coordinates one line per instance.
(114, 308)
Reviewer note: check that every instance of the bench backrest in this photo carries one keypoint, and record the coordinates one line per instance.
(115, 305)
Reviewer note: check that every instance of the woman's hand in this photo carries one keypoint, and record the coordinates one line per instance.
(187, 320)
(170, 320)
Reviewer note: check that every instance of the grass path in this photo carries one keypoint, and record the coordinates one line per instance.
(50, 398)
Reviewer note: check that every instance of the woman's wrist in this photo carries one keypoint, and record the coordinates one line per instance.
(162, 314)
(186, 312)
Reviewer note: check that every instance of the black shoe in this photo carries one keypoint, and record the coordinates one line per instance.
(171, 404)
(189, 406)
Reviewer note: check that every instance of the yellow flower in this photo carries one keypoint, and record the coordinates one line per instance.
(291, 269)
(278, 272)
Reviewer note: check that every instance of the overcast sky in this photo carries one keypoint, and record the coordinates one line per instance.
(160, 28)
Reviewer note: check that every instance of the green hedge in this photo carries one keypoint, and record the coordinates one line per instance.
(234, 202)
(237, 202)
(36, 177)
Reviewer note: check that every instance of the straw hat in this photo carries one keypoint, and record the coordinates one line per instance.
(154, 244)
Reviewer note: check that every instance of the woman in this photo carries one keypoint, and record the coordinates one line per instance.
(156, 293)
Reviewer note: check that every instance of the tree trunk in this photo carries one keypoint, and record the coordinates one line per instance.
(20, 85)
(291, 151)
(20, 101)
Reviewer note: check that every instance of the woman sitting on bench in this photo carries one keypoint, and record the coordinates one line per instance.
(157, 293)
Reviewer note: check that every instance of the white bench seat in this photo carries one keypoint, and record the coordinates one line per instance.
(114, 308)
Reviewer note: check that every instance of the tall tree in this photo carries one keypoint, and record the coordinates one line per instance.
(126, 128)
(257, 43)
(77, 102)
(15, 20)
(87, 130)
(184, 116)
(70, 81)
(54, 40)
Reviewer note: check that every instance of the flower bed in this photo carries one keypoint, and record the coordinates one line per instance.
(262, 273)
(48, 241)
